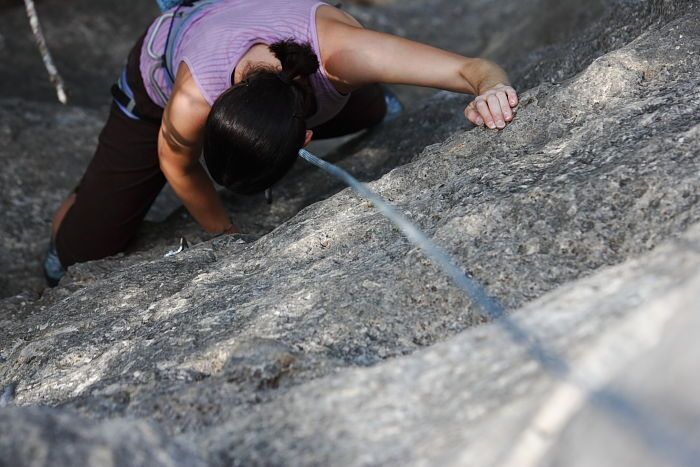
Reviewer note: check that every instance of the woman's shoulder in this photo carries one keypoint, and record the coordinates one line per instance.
(327, 14)
(186, 97)
(330, 21)
(332, 25)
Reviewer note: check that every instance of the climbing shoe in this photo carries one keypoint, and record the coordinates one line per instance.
(53, 269)
(394, 107)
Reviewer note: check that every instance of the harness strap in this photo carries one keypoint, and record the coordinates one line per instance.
(124, 97)
(122, 94)
(177, 27)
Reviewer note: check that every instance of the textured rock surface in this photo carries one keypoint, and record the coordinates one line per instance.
(44, 152)
(249, 352)
(468, 400)
(586, 31)
(89, 41)
(42, 436)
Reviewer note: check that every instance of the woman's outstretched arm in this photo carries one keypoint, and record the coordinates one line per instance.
(357, 56)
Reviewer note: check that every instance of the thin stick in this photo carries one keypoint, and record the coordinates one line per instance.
(54, 77)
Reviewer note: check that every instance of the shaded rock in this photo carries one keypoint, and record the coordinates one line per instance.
(527, 37)
(40, 436)
(470, 400)
(89, 42)
(368, 158)
(7, 395)
(249, 351)
(43, 151)
(662, 381)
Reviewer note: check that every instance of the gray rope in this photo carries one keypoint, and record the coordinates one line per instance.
(474, 291)
(672, 445)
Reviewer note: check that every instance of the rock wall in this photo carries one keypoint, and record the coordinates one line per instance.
(305, 342)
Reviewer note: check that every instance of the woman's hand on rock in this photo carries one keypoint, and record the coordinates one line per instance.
(493, 108)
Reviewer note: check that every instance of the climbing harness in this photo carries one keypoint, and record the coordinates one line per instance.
(179, 19)
(165, 5)
(121, 92)
(124, 97)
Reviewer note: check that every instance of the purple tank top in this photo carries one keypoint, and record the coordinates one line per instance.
(215, 38)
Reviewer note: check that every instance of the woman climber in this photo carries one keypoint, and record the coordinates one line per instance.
(247, 83)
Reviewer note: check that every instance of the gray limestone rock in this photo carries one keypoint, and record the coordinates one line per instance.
(479, 399)
(43, 152)
(89, 41)
(40, 436)
(327, 337)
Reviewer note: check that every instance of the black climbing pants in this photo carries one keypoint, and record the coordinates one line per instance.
(124, 178)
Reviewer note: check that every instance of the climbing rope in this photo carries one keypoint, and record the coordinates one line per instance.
(672, 445)
(490, 307)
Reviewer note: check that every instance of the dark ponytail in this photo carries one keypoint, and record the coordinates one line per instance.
(297, 59)
(256, 128)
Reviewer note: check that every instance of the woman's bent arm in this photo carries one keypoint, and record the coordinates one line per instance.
(179, 147)
(192, 185)
(357, 56)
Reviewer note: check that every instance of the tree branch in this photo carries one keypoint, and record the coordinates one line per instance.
(54, 77)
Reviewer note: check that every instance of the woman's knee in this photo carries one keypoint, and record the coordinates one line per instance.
(87, 233)
(88, 244)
